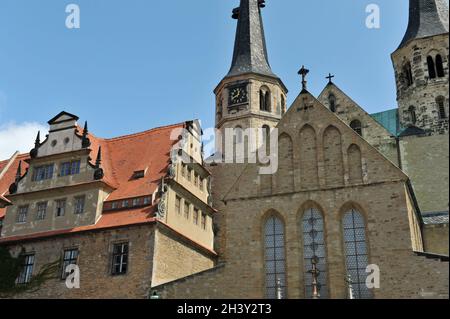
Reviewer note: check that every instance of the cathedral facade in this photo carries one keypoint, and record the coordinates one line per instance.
(354, 195)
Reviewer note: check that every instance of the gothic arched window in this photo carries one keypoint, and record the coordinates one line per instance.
(431, 67)
(440, 101)
(412, 114)
(356, 256)
(332, 101)
(356, 126)
(439, 66)
(265, 98)
(407, 73)
(314, 246)
(275, 258)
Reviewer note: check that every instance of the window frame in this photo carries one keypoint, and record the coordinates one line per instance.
(43, 172)
(26, 274)
(20, 213)
(64, 261)
(76, 206)
(121, 263)
(277, 262)
(357, 291)
(41, 213)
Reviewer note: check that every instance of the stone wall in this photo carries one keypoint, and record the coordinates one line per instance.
(423, 92)
(175, 258)
(95, 260)
(436, 239)
(426, 161)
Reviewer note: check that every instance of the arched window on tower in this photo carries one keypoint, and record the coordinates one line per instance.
(355, 248)
(440, 102)
(412, 114)
(407, 74)
(356, 126)
(431, 67)
(332, 101)
(275, 258)
(265, 98)
(439, 66)
(314, 246)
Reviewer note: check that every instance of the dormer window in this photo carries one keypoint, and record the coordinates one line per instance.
(139, 173)
(70, 168)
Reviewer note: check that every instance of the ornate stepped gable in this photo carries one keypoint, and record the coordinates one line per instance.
(120, 157)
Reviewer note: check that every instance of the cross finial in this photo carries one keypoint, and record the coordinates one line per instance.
(303, 72)
(330, 78)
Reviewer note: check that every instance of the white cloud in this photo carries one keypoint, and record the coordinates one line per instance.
(19, 137)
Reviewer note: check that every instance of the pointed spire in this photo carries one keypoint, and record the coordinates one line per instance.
(85, 130)
(426, 18)
(98, 161)
(37, 142)
(98, 173)
(250, 52)
(19, 172)
(85, 142)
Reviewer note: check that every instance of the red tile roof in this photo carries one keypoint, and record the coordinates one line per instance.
(131, 217)
(121, 157)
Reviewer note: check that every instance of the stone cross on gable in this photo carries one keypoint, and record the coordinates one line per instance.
(330, 78)
(303, 72)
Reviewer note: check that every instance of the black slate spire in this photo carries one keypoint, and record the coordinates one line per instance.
(250, 52)
(426, 18)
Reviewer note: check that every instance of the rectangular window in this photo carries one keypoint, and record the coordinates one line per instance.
(178, 205)
(22, 214)
(183, 170)
(70, 168)
(41, 210)
(79, 204)
(27, 270)
(60, 207)
(115, 205)
(202, 184)
(136, 201)
(189, 174)
(204, 221)
(186, 209)
(120, 259)
(147, 200)
(70, 257)
(43, 173)
(125, 203)
(196, 216)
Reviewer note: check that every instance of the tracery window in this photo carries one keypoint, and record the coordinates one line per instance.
(356, 256)
(314, 246)
(275, 259)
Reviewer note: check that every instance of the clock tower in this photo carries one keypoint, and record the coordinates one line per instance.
(250, 95)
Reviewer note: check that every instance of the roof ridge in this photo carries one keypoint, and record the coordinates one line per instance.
(143, 132)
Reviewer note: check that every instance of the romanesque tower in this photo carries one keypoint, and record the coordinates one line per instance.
(421, 69)
(250, 95)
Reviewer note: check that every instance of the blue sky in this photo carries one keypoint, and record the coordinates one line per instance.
(137, 64)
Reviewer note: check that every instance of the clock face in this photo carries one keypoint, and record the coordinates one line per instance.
(238, 95)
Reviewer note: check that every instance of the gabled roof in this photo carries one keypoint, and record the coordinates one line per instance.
(121, 156)
(68, 116)
(426, 18)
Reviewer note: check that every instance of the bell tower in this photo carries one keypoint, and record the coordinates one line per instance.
(250, 95)
(421, 69)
